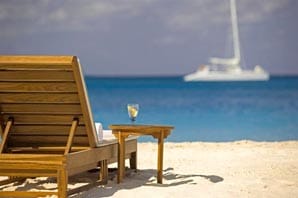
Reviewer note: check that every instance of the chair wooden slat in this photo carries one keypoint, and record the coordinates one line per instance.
(46, 130)
(56, 98)
(36, 60)
(36, 75)
(31, 87)
(45, 141)
(43, 119)
(41, 108)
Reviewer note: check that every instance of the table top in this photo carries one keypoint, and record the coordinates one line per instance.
(140, 127)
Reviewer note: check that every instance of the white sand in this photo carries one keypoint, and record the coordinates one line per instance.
(234, 169)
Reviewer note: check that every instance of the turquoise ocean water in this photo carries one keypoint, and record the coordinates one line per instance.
(208, 111)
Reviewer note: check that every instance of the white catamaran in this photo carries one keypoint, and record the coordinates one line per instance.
(228, 69)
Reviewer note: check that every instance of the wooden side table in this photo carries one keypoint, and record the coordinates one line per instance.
(123, 131)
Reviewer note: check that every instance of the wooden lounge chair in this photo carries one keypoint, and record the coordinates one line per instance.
(47, 127)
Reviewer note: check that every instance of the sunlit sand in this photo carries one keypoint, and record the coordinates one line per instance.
(233, 169)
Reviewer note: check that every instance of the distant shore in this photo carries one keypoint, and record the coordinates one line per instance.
(201, 169)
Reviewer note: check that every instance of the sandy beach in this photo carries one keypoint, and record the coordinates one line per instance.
(199, 169)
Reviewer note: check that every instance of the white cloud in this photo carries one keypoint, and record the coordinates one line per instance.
(86, 10)
(65, 15)
(193, 14)
(169, 40)
(256, 11)
(26, 16)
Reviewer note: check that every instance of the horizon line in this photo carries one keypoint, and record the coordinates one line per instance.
(163, 76)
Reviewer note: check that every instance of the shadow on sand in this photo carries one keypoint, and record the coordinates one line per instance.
(144, 177)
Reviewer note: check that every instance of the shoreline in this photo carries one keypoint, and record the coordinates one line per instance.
(205, 169)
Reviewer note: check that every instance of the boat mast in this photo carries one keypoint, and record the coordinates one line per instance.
(231, 63)
(235, 30)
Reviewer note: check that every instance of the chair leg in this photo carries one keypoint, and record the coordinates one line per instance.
(103, 174)
(133, 161)
(62, 181)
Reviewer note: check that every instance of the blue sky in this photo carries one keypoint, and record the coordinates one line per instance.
(152, 37)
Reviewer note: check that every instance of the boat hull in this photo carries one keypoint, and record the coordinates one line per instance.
(224, 76)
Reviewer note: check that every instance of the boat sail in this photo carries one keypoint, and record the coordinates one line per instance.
(228, 69)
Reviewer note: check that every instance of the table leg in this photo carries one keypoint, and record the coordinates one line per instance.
(121, 157)
(160, 158)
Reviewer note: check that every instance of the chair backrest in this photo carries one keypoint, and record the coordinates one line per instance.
(43, 94)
